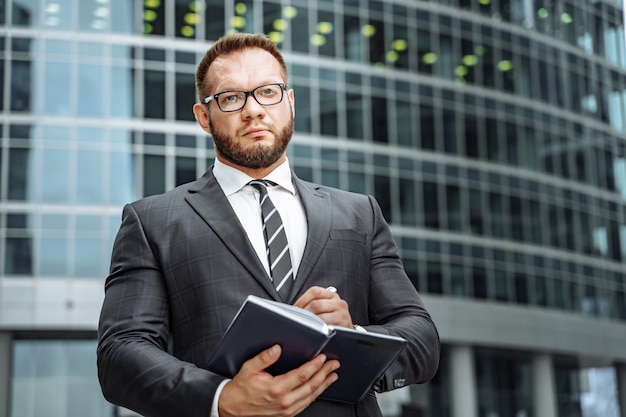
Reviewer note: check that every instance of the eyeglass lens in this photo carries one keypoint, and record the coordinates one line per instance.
(265, 95)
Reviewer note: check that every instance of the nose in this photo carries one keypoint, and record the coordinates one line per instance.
(252, 108)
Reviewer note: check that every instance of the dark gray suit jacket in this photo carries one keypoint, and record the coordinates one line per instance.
(182, 265)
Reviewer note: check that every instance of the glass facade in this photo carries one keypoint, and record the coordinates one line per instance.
(492, 132)
(60, 376)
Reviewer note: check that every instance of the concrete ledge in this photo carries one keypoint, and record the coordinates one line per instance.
(463, 321)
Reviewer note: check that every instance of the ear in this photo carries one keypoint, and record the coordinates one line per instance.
(292, 99)
(201, 113)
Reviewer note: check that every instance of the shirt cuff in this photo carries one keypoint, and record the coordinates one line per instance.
(216, 398)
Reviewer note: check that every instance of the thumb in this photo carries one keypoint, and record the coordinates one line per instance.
(263, 360)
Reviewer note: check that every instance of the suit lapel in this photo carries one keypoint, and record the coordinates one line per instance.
(318, 213)
(209, 201)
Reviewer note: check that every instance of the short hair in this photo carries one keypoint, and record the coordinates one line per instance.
(233, 43)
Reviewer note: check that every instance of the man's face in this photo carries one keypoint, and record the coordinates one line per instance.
(255, 136)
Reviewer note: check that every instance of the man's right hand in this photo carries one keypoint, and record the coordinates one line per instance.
(254, 392)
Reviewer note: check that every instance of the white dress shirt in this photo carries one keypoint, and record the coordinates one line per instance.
(244, 199)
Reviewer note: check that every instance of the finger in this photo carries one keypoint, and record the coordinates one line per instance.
(312, 294)
(262, 361)
(317, 383)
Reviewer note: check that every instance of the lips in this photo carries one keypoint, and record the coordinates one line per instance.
(256, 131)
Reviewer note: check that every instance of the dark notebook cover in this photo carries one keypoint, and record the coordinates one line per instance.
(261, 323)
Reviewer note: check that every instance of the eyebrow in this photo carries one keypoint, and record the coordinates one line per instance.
(248, 89)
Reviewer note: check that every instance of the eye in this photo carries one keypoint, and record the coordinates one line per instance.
(229, 98)
(268, 91)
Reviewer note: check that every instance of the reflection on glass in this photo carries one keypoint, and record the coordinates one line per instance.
(25, 12)
(57, 14)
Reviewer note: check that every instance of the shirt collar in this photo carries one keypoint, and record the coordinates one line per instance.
(232, 180)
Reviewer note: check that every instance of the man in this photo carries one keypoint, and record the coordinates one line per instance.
(183, 262)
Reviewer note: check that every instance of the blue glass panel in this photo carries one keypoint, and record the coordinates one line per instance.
(90, 91)
(55, 182)
(87, 259)
(122, 178)
(52, 259)
(57, 87)
(89, 177)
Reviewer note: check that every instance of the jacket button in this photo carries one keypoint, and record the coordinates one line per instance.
(398, 383)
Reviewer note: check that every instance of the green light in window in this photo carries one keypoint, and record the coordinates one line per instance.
(505, 65)
(153, 4)
(460, 71)
(379, 65)
(480, 50)
(191, 19)
(566, 18)
(290, 12)
(197, 6)
(187, 31)
(276, 37)
(238, 22)
(149, 15)
(429, 58)
(241, 8)
(485, 2)
(542, 13)
(368, 30)
(147, 28)
(470, 60)
(392, 56)
(280, 24)
(318, 40)
(399, 45)
(324, 28)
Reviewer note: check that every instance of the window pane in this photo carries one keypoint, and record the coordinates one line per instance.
(87, 259)
(185, 170)
(154, 94)
(19, 163)
(18, 256)
(21, 81)
(89, 177)
(57, 88)
(214, 18)
(52, 257)
(90, 92)
(185, 96)
(153, 175)
(55, 184)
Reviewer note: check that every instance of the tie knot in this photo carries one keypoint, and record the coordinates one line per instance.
(261, 185)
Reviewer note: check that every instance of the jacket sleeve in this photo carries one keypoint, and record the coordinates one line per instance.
(396, 308)
(135, 368)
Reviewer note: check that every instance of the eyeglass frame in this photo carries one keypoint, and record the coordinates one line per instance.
(249, 93)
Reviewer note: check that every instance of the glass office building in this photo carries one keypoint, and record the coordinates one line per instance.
(492, 132)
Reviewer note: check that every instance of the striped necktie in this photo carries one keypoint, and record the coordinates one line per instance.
(281, 271)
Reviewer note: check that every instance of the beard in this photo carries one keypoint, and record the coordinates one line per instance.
(259, 155)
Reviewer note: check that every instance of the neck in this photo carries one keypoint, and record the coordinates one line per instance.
(257, 173)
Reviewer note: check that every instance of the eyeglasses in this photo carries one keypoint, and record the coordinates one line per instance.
(265, 95)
